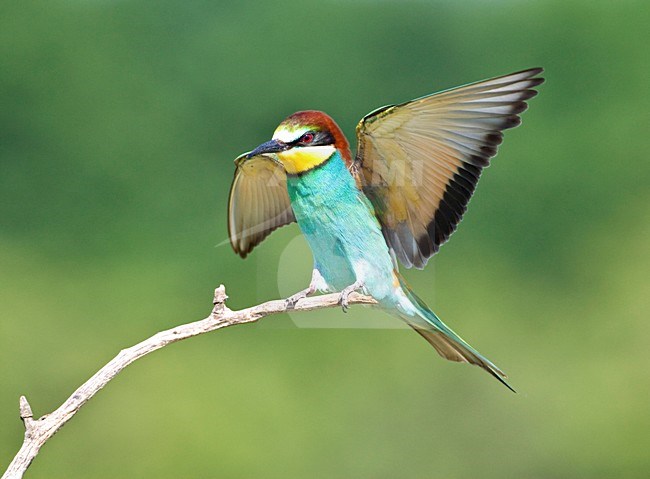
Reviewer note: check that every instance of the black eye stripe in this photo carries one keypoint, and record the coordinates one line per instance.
(321, 138)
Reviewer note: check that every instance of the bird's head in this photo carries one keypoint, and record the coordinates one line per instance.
(305, 140)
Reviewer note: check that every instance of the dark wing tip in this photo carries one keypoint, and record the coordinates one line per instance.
(530, 72)
(528, 94)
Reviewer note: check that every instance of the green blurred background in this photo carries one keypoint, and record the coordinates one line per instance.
(119, 121)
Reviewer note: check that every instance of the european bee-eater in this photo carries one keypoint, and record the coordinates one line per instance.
(399, 198)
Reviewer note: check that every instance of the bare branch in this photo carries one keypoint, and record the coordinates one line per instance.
(38, 431)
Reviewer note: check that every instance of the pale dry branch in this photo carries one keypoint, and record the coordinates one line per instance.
(38, 431)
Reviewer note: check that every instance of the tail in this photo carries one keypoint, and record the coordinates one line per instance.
(448, 344)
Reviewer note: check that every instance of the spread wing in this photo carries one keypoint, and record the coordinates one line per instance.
(419, 162)
(258, 203)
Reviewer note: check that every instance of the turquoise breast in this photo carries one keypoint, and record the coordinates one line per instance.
(340, 227)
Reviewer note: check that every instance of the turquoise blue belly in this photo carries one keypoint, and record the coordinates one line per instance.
(340, 228)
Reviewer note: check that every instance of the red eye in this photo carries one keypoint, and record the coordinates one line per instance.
(307, 138)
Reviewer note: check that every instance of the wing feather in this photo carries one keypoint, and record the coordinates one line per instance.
(258, 203)
(419, 162)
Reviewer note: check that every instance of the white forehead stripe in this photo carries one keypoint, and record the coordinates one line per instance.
(289, 135)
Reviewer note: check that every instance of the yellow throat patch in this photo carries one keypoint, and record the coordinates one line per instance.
(300, 159)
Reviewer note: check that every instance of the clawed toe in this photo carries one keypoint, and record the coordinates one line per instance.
(345, 294)
(291, 301)
(343, 301)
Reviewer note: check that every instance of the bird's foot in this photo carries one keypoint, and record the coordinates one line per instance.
(317, 283)
(345, 294)
(291, 301)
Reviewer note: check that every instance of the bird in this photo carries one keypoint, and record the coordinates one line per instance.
(397, 200)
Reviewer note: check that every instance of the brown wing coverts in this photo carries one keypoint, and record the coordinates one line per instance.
(419, 162)
(258, 203)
